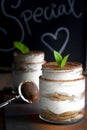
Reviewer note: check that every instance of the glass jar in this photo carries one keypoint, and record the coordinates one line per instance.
(62, 93)
(27, 67)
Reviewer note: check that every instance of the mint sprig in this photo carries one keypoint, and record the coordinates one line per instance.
(61, 61)
(20, 46)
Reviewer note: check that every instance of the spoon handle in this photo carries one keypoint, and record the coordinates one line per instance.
(9, 101)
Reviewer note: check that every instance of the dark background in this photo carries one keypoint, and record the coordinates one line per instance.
(25, 21)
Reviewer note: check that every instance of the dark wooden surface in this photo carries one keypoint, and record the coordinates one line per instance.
(26, 117)
(20, 115)
(2, 113)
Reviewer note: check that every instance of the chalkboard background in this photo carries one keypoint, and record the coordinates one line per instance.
(43, 25)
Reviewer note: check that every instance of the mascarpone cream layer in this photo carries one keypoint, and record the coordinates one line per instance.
(62, 74)
(27, 66)
(52, 71)
(73, 87)
(32, 57)
(19, 76)
(59, 107)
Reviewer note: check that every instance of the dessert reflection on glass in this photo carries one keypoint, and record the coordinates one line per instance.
(62, 93)
(27, 67)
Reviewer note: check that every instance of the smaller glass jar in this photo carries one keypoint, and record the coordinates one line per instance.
(27, 67)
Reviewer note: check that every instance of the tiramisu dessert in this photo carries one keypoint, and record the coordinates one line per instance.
(62, 93)
(27, 67)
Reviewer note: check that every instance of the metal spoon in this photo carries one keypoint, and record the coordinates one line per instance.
(22, 95)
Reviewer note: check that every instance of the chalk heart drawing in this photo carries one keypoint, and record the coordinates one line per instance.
(55, 37)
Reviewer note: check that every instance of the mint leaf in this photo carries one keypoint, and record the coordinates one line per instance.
(64, 60)
(20, 46)
(60, 60)
(58, 57)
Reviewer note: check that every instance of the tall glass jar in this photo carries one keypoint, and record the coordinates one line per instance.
(62, 93)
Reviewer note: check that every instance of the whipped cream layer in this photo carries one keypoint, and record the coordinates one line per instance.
(53, 72)
(32, 57)
(27, 66)
(59, 107)
(20, 76)
(72, 87)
